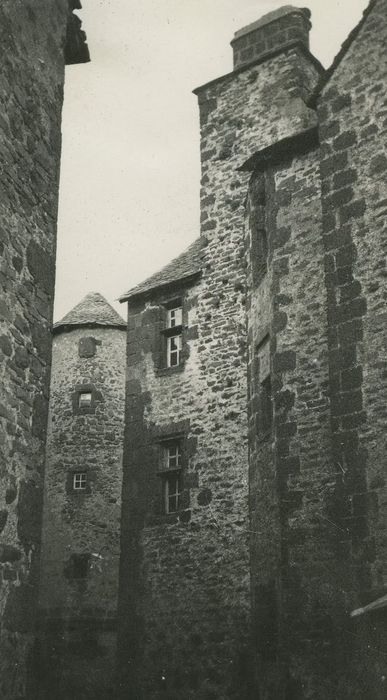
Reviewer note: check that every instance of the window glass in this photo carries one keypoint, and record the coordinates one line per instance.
(174, 345)
(84, 399)
(174, 456)
(172, 493)
(175, 317)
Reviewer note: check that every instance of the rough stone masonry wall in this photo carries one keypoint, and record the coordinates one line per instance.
(241, 116)
(32, 37)
(353, 117)
(187, 601)
(296, 565)
(81, 530)
(184, 579)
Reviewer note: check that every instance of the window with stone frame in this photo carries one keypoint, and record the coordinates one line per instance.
(172, 491)
(171, 473)
(265, 387)
(173, 334)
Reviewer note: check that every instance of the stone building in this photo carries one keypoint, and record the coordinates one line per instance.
(37, 39)
(254, 494)
(82, 504)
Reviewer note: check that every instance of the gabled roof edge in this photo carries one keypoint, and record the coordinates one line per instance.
(132, 296)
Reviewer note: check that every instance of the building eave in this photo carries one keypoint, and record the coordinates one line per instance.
(161, 288)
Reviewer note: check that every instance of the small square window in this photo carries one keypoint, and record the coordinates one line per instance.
(172, 492)
(84, 399)
(175, 317)
(79, 481)
(174, 345)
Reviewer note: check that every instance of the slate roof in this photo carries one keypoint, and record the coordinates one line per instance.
(93, 310)
(186, 265)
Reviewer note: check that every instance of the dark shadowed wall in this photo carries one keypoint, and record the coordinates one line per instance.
(34, 38)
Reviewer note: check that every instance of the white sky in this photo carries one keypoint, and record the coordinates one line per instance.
(129, 199)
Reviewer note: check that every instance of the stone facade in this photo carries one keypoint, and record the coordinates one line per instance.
(184, 575)
(251, 552)
(82, 505)
(279, 399)
(36, 39)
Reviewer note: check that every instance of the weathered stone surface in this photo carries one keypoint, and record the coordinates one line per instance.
(32, 56)
(31, 84)
(81, 529)
(303, 237)
(357, 341)
(198, 564)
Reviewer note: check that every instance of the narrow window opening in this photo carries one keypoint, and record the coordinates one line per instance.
(258, 232)
(267, 405)
(174, 346)
(174, 456)
(265, 387)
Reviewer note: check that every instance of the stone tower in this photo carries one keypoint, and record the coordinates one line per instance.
(37, 40)
(82, 503)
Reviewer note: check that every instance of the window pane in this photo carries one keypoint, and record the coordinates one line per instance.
(84, 399)
(174, 348)
(79, 481)
(174, 456)
(175, 317)
(172, 493)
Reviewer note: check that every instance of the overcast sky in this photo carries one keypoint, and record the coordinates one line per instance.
(129, 198)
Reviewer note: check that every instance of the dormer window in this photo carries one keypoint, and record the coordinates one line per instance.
(175, 317)
(84, 399)
(173, 334)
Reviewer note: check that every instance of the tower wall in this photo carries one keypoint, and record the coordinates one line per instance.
(33, 40)
(81, 527)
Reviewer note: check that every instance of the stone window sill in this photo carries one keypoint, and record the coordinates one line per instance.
(165, 371)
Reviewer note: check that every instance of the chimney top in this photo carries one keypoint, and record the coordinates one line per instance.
(273, 32)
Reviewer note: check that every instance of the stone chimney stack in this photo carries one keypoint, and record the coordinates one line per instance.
(274, 32)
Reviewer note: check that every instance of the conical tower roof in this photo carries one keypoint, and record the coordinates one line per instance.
(93, 310)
